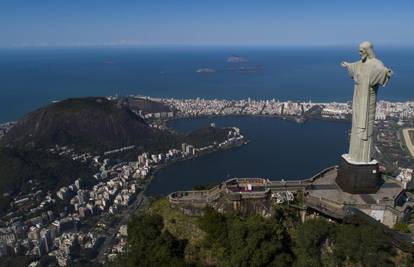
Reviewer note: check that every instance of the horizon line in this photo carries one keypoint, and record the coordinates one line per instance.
(192, 45)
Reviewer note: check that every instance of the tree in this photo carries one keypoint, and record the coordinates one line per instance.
(258, 242)
(149, 245)
(309, 240)
(214, 224)
(253, 241)
(401, 227)
(362, 244)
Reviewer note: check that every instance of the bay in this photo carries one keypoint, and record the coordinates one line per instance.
(278, 149)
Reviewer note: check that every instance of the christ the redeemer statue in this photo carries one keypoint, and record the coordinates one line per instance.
(368, 73)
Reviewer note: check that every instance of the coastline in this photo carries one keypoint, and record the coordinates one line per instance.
(296, 119)
(156, 170)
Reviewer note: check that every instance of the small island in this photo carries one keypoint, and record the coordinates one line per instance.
(205, 70)
(236, 59)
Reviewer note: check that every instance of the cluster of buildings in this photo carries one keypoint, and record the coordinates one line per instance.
(389, 145)
(157, 115)
(50, 233)
(400, 110)
(38, 227)
(49, 223)
(330, 110)
(120, 243)
(337, 111)
(68, 152)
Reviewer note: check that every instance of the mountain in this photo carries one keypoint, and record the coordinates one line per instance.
(92, 123)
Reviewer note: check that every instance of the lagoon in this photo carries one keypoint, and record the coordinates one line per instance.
(278, 149)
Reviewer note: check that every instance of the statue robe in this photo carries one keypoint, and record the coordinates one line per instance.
(368, 76)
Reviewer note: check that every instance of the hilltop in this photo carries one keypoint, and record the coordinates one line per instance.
(93, 123)
(96, 124)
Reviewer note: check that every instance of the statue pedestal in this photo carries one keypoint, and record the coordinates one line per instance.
(358, 178)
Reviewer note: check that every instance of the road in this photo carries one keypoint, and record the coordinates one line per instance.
(125, 215)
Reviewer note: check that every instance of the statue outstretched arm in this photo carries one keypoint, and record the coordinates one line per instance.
(350, 67)
(388, 75)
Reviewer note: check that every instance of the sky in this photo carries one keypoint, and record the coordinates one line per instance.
(208, 22)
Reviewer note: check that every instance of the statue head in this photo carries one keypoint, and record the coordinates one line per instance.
(366, 50)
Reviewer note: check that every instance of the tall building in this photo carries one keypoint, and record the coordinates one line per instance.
(184, 147)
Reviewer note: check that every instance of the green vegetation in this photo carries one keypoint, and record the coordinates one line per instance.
(145, 105)
(401, 227)
(48, 171)
(162, 236)
(253, 241)
(310, 238)
(361, 245)
(76, 104)
(205, 136)
(148, 245)
(319, 243)
(176, 221)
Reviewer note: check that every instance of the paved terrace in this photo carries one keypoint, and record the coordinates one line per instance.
(325, 188)
(321, 188)
(200, 198)
(247, 187)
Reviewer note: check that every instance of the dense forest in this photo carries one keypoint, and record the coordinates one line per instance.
(165, 237)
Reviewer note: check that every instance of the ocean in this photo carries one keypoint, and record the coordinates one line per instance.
(30, 78)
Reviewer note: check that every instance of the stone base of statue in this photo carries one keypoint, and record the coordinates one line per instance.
(358, 178)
